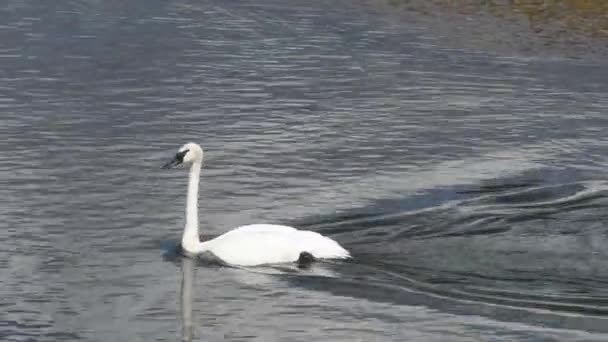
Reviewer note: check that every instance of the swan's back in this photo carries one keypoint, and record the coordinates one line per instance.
(268, 244)
(260, 228)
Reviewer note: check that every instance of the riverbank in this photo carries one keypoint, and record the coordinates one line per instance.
(551, 28)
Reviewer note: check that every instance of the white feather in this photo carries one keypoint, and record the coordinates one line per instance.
(271, 244)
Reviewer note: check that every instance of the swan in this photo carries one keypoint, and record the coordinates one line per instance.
(249, 245)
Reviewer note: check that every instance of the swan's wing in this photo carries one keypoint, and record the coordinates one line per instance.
(319, 246)
(260, 228)
(257, 246)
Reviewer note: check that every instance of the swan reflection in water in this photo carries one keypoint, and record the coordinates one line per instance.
(171, 252)
(186, 298)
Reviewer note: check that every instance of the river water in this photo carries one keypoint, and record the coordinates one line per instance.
(469, 184)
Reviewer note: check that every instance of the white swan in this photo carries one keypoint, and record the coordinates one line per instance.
(249, 245)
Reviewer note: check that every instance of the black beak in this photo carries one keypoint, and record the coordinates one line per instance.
(177, 159)
(171, 164)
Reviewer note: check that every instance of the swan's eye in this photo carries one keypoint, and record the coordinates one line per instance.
(180, 155)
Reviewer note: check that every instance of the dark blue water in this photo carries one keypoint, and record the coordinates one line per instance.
(468, 183)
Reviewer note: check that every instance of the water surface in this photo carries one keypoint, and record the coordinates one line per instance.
(468, 183)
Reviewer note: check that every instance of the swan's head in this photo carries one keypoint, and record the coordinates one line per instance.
(189, 153)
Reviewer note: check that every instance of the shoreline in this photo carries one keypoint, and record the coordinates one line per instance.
(572, 29)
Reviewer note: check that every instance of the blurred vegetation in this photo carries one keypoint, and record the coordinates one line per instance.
(589, 16)
(552, 28)
(581, 15)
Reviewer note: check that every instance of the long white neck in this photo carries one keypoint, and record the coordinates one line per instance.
(190, 239)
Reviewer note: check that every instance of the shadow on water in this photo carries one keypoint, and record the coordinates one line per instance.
(519, 250)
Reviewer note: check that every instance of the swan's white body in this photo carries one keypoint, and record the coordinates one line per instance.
(259, 244)
(250, 245)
